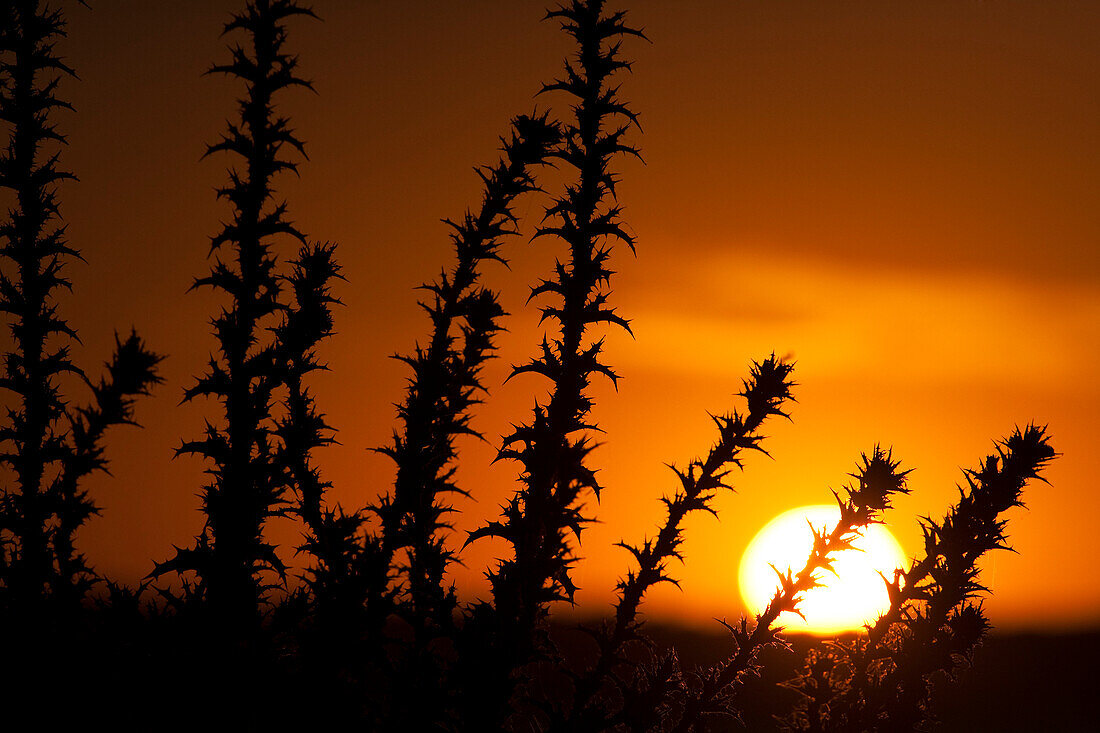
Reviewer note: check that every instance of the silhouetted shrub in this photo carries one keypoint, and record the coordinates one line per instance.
(257, 358)
(882, 679)
(49, 445)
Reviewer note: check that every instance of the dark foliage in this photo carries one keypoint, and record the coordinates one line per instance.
(553, 448)
(640, 692)
(49, 445)
(257, 357)
(619, 689)
(882, 680)
(444, 388)
(446, 381)
(714, 691)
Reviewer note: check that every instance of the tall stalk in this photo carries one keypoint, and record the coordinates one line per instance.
(553, 447)
(49, 445)
(766, 392)
(333, 591)
(714, 691)
(882, 679)
(446, 374)
(248, 481)
(444, 388)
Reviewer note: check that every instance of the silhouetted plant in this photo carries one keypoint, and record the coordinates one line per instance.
(714, 691)
(765, 392)
(335, 579)
(327, 615)
(308, 321)
(49, 445)
(881, 680)
(553, 447)
(248, 482)
(444, 388)
(446, 378)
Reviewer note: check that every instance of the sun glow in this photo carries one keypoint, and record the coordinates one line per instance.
(852, 597)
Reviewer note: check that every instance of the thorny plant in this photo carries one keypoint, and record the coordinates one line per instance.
(881, 680)
(714, 691)
(444, 388)
(49, 445)
(250, 469)
(765, 393)
(446, 381)
(373, 625)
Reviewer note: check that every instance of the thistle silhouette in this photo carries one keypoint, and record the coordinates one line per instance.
(444, 388)
(554, 446)
(933, 625)
(645, 697)
(249, 482)
(714, 691)
(446, 379)
(50, 445)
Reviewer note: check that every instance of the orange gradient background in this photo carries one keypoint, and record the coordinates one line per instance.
(902, 196)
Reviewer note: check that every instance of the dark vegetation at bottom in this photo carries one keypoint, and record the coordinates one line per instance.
(368, 632)
(164, 679)
(1019, 682)
(1025, 682)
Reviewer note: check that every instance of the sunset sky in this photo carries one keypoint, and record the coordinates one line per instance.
(901, 196)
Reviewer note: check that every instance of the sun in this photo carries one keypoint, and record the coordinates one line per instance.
(854, 596)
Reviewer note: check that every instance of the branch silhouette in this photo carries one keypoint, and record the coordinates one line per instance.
(765, 392)
(933, 623)
(248, 483)
(446, 381)
(49, 445)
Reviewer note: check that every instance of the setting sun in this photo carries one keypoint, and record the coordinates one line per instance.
(847, 600)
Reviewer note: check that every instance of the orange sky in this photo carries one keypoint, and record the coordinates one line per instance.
(901, 195)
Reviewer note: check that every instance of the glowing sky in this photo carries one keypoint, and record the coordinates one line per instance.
(900, 195)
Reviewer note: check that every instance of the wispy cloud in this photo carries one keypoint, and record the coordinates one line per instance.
(917, 327)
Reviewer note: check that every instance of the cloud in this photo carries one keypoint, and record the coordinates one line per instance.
(876, 324)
